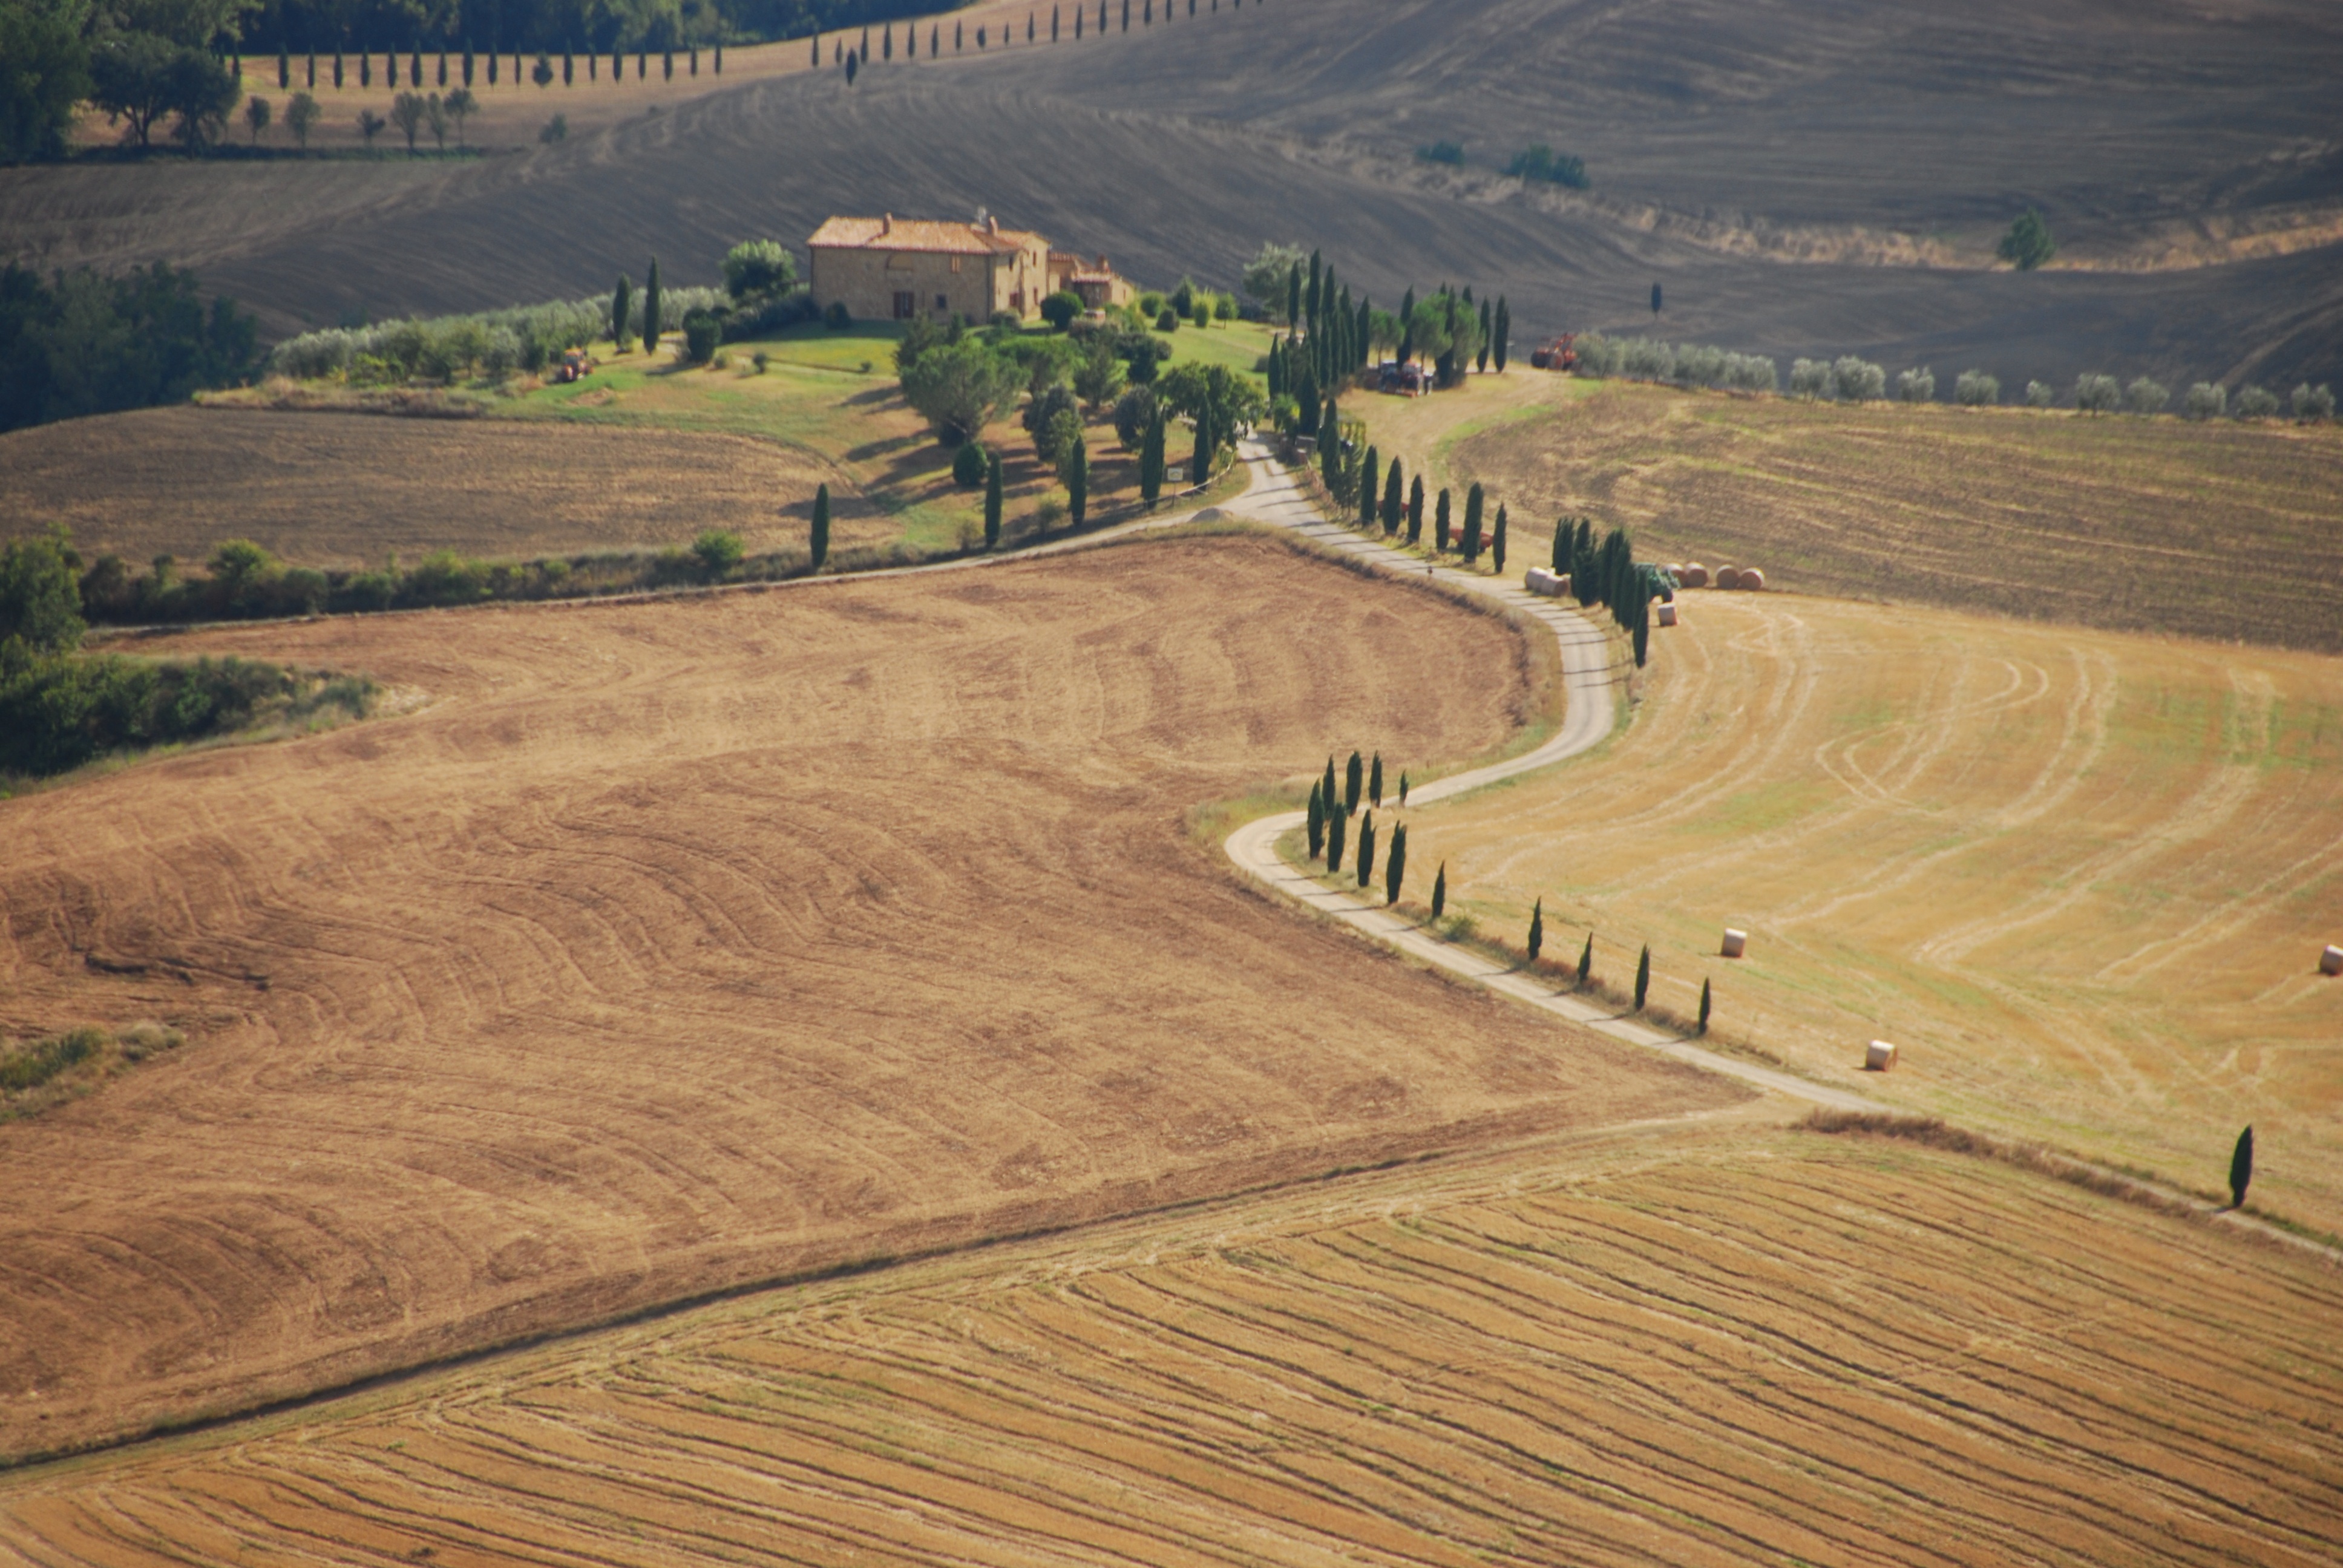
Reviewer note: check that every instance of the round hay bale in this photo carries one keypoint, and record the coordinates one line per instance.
(1693, 574)
(1735, 943)
(2330, 962)
(1753, 579)
(1879, 1056)
(1667, 613)
(1729, 577)
(1676, 570)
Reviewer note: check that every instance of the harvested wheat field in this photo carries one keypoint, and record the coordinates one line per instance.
(2213, 531)
(2081, 878)
(676, 946)
(346, 489)
(1708, 1348)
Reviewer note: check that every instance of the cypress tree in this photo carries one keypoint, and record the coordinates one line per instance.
(1355, 779)
(1201, 468)
(1054, 24)
(1704, 1007)
(622, 311)
(1335, 824)
(441, 79)
(1293, 297)
(1276, 368)
(992, 500)
(283, 68)
(819, 543)
(569, 67)
(1643, 977)
(1441, 536)
(1375, 781)
(1561, 544)
(1488, 329)
(1472, 502)
(1363, 328)
(1415, 509)
(1150, 461)
(1586, 960)
(1370, 476)
(1395, 864)
(1328, 785)
(1367, 850)
(1403, 789)
(1537, 929)
(887, 42)
(338, 70)
(817, 51)
(312, 82)
(1310, 297)
(865, 50)
(1497, 542)
(1440, 890)
(651, 309)
(2242, 1168)
(1500, 347)
(1642, 630)
(720, 57)
(1394, 503)
(1078, 482)
(1317, 821)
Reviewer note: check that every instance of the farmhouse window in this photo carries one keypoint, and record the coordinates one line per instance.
(955, 264)
(904, 306)
(942, 303)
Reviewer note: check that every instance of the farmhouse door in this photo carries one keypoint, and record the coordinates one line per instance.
(904, 308)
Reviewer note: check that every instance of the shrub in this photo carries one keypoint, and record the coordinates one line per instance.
(1061, 308)
(1975, 389)
(1441, 152)
(557, 129)
(1098, 377)
(1152, 303)
(1224, 308)
(1858, 380)
(444, 578)
(2027, 244)
(2145, 396)
(701, 331)
(31, 1065)
(1058, 439)
(969, 465)
(1167, 320)
(2313, 403)
(1539, 162)
(2255, 403)
(762, 360)
(40, 602)
(2096, 394)
(2206, 400)
(2040, 394)
(718, 552)
(1917, 386)
(1042, 420)
(837, 317)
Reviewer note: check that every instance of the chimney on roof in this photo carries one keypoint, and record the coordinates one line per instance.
(887, 223)
(992, 225)
(1102, 265)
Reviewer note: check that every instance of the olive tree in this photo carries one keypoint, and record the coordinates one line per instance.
(2206, 400)
(959, 386)
(1975, 389)
(1917, 386)
(2096, 394)
(2145, 396)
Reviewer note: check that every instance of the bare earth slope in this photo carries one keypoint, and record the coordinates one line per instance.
(681, 945)
(1803, 179)
(1700, 1349)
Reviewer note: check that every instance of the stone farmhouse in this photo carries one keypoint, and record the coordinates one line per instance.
(888, 268)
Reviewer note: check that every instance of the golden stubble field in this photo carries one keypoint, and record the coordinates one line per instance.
(2210, 530)
(2082, 879)
(680, 945)
(1701, 1347)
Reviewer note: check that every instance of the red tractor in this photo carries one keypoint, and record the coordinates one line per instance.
(1556, 354)
(576, 365)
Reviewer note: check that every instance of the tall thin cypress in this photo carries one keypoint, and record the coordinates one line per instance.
(1440, 537)
(1415, 510)
(1201, 469)
(1394, 503)
(1586, 960)
(1367, 850)
(1354, 779)
(1335, 825)
(2241, 1157)
(992, 500)
(1317, 821)
(1078, 483)
(1310, 297)
(1488, 330)
(1643, 977)
(651, 309)
(284, 67)
(1327, 785)
(1375, 781)
(1472, 502)
(622, 312)
(1395, 864)
(1440, 890)
(1292, 296)
(1369, 479)
(1497, 542)
(1500, 347)
(1704, 1007)
(1561, 546)
(1150, 461)
(1537, 929)
(818, 544)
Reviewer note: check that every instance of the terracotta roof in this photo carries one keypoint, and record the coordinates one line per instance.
(917, 233)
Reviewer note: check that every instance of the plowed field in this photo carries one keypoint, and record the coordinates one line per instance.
(333, 489)
(1751, 1349)
(676, 946)
(2082, 879)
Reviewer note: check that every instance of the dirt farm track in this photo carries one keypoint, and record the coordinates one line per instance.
(673, 946)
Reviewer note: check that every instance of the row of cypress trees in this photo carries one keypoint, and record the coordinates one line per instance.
(1609, 575)
(854, 59)
(469, 69)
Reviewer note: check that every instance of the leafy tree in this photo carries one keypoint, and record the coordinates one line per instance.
(1415, 509)
(1858, 380)
(1704, 1007)
(1061, 308)
(1375, 781)
(406, 112)
(1395, 865)
(2255, 403)
(1586, 960)
(1643, 977)
(1540, 162)
(1317, 821)
(2027, 244)
(44, 73)
(436, 113)
(1975, 389)
(1135, 413)
(1440, 890)
(759, 267)
(819, 544)
(1076, 472)
(140, 78)
(2313, 402)
(370, 125)
(1042, 420)
(622, 312)
(1442, 153)
(2206, 400)
(2242, 1168)
(256, 115)
(718, 553)
(959, 387)
(1265, 274)
(555, 129)
(40, 600)
(651, 309)
(1099, 374)
(1537, 929)
(462, 105)
(1917, 386)
(992, 496)
(2096, 394)
(301, 116)
(83, 343)
(2145, 396)
(2040, 394)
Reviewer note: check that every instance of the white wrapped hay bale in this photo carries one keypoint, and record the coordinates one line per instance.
(1879, 1056)
(2330, 962)
(1667, 613)
(1735, 943)
(1546, 583)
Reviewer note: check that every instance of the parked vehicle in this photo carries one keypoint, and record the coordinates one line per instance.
(1557, 354)
(576, 365)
